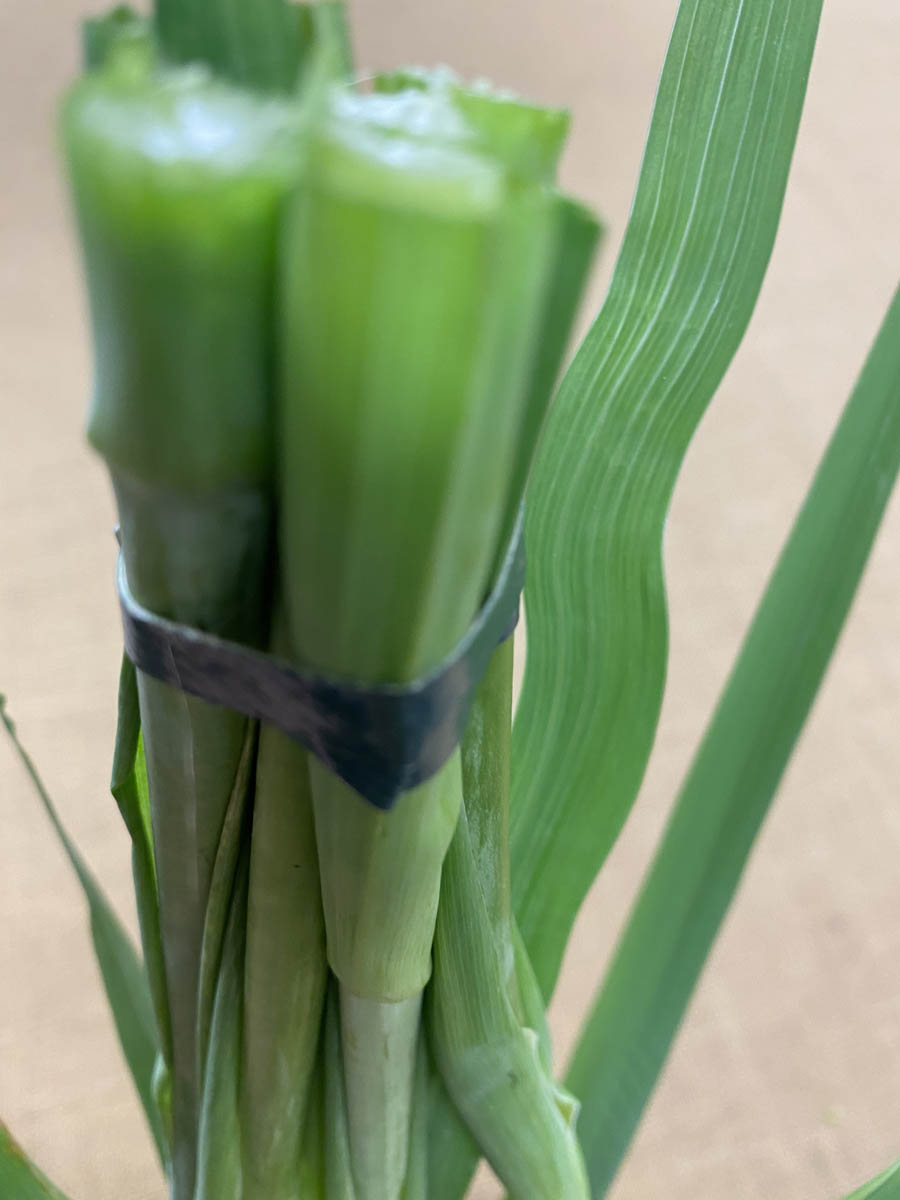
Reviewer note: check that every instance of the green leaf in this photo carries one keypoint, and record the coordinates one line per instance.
(219, 1170)
(452, 1152)
(734, 776)
(103, 35)
(885, 1187)
(263, 45)
(415, 1186)
(253, 44)
(220, 903)
(19, 1177)
(491, 1066)
(130, 789)
(417, 265)
(123, 973)
(695, 251)
(329, 38)
(285, 972)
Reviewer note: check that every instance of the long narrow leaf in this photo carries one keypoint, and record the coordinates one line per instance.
(19, 1177)
(885, 1187)
(695, 251)
(131, 792)
(120, 965)
(734, 776)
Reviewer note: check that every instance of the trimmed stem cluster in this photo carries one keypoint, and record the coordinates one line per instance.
(327, 325)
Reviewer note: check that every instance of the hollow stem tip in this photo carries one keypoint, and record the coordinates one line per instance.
(178, 181)
(418, 258)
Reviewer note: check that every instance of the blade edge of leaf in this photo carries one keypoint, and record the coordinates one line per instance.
(736, 771)
(592, 516)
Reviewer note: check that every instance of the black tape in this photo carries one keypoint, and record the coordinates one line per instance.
(381, 739)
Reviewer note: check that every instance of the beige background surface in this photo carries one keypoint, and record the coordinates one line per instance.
(786, 1082)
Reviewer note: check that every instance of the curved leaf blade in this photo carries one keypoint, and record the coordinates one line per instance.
(20, 1179)
(885, 1187)
(121, 968)
(695, 251)
(738, 766)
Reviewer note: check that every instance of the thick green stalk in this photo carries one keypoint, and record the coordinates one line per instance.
(496, 1071)
(486, 745)
(530, 139)
(492, 1066)
(415, 1186)
(415, 276)
(188, 807)
(311, 1171)
(219, 1171)
(380, 876)
(178, 183)
(485, 755)
(285, 973)
(379, 1066)
(338, 1170)
(485, 764)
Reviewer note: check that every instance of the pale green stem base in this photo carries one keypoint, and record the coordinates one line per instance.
(381, 874)
(379, 1042)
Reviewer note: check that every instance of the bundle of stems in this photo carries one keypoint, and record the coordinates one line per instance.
(327, 324)
(327, 321)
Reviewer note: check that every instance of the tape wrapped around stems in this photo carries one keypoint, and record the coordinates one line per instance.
(381, 739)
